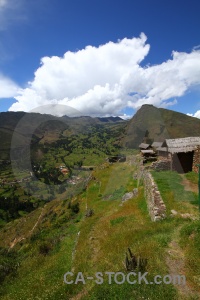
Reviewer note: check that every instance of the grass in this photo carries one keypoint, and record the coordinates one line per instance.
(117, 220)
(190, 241)
(192, 176)
(105, 237)
(44, 256)
(173, 192)
(55, 247)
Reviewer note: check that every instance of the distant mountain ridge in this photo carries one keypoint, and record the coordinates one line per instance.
(110, 119)
(37, 126)
(147, 125)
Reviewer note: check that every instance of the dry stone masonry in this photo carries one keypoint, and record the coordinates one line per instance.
(196, 160)
(161, 165)
(156, 206)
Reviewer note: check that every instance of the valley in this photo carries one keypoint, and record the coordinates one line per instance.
(68, 204)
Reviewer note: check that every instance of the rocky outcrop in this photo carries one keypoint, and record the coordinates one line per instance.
(127, 196)
(130, 195)
(175, 213)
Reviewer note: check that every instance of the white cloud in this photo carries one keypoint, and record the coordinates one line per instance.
(125, 116)
(196, 114)
(104, 80)
(8, 88)
(3, 4)
(196, 47)
(11, 11)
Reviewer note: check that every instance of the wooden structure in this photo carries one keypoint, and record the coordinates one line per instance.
(144, 146)
(156, 145)
(148, 153)
(162, 152)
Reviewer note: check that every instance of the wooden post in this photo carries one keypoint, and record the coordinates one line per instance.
(171, 160)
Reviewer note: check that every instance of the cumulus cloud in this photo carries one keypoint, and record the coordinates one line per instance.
(196, 114)
(8, 88)
(106, 79)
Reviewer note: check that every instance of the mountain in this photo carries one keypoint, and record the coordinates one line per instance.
(46, 128)
(54, 223)
(25, 127)
(156, 124)
(111, 119)
(148, 124)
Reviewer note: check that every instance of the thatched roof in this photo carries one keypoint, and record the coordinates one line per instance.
(182, 144)
(157, 144)
(144, 146)
(162, 149)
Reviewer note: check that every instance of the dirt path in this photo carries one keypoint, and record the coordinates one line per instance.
(175, 261)
(38, 220)
(189, 186)
(17, 240)
(82, 293)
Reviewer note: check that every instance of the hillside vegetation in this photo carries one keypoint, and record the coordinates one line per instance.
(58, 238)
(61, 208)
(149, 123)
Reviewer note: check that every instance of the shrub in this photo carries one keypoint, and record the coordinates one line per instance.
(45, 248)
(75, 208)
(9, 263)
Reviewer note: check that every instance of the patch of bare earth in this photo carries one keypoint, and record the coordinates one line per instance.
(188, 185)
(83, 293)
(175, 261)
(18, 240)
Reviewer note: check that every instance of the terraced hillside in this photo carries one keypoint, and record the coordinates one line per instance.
(38, 249)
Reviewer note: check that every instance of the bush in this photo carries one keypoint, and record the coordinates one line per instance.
(45, 248)
(9, 263)
(75, 208)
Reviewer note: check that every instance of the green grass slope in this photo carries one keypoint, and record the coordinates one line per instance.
(58, 238)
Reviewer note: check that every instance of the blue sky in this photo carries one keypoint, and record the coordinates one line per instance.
(99, 80)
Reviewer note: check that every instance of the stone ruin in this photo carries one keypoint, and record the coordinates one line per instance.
(156, 206)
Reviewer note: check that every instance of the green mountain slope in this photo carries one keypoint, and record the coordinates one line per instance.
(149, 124)
(38, 249)
(35, 127)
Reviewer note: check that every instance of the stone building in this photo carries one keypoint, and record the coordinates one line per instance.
(184, 153)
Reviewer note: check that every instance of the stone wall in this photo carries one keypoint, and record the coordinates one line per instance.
(156, 206)
(161, 165)
(196, 160)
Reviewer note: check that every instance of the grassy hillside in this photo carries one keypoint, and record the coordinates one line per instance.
(148, 124)
(24, 128)
(45, 231)
(58, 238)
(30, 180)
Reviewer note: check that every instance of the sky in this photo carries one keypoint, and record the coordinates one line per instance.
(101, 57)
